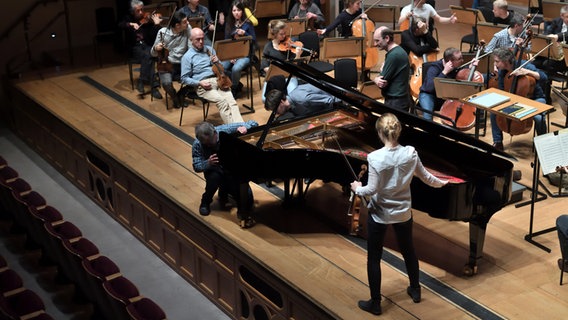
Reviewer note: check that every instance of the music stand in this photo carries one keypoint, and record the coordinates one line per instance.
(484, 62)
(293, 27)
(270, 8)
(234, 49)
(371, 90)
(335, 48)
(385, 14)
(274, 70)
(457, 90)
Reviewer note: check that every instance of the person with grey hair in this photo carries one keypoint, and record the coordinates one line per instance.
(205, 159)
(197, 72)
(140, 31)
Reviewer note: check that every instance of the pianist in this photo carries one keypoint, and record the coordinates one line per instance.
(391, 169)
(295, 100)
(204, 154)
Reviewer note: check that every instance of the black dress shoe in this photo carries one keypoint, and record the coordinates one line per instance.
(156, 93)
(499, 146)
(204, 209)
(140, 86)
(414, 293)
(372, 306)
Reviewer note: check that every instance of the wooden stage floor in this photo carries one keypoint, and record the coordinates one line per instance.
(515, 280)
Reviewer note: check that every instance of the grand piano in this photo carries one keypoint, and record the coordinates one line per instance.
(332, 146)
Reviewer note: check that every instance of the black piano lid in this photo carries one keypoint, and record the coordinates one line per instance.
(369, 105)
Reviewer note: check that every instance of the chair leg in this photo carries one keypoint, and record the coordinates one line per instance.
(562, 271)
(131, 76)
(181, 115)
(205, 110)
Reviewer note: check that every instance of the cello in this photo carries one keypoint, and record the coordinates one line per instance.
(463, 114)
(416, 65)
(522, 85)
(364, 28)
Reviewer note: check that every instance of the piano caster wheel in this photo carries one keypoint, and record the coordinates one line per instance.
(469, 270)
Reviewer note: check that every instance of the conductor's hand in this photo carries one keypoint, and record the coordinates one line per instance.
(213, 160)
(355, 184)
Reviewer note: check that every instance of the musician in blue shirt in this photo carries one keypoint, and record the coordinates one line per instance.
(195, 10)
(205, 159)
(197, 71)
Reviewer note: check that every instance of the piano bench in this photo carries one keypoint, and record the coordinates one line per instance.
(517, 192)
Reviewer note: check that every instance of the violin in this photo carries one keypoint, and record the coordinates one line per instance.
(149, 16)
(288, 45)
(223, 81)
(463, 113)
(164, 65)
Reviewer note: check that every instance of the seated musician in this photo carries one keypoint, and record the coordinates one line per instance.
(248, 13)
(557, 30)
(294, 101)
(277, 48)
(417, 38)
(174, 39)
(194, 10)
(197, 71)
(501, 12)
(140, 31)
(343, 20)
(308, 10)
(508, 37)
(504, 60)
(425, 11)
(234, 28)
(204, 154)
(443, 68)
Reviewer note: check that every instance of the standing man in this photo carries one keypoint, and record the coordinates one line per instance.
(393, 79)
(197, 71)
(175, 40)
(140, 32)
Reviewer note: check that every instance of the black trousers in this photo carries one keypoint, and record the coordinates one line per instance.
(375, 243)
(216, 178)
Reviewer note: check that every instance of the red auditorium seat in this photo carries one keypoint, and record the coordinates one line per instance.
(10, 282)
(53, 246)
(145, 309)
(99, 270)
(23, 305)
(120, 292)
(3, 162)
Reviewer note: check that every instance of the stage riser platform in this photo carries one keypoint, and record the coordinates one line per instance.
(226, 275)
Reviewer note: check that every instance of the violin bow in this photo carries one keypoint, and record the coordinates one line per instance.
(369, 8)
(247, 19)
(532, 58)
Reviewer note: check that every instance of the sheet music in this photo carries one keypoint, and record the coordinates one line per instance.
(552, 150)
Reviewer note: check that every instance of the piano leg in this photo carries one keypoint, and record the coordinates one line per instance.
(476, 241)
